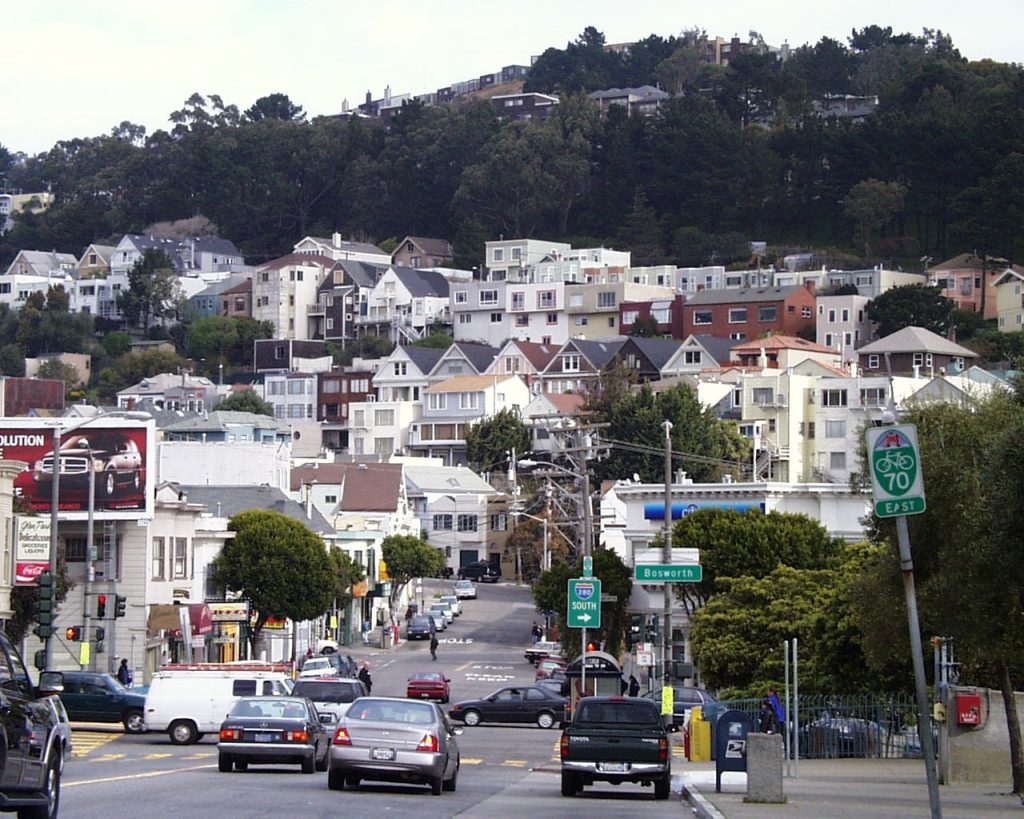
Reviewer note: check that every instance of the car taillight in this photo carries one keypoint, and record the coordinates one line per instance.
(563, 746)
(228, 734)
(341, 737)
(296, 736)
(662, 749)
(428, 743)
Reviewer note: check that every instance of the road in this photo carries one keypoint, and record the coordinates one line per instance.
(506, 770)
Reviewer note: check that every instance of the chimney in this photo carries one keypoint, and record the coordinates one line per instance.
(336, 240)
(812, 288)
(387, 95)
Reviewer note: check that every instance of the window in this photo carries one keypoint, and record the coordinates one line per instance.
(835, 429)
(295, 410)
(461, 297)
(522, 320)
(465, 318)
(831, 316)
(280, 352)
(805, 312)
(629, 317)
(846, 314)
(552, 318)
(828, 339)
(511, 363)
(517, 253)
(873, 362)
(443, 523)
(833, 398)
(295, 387)
(703, 317)
(159, 558)
(763, 396)
(499, 522)
(606, 299)
(469, 400)
(518, 300)
(495, 318)
(498, 254)
(692, 357)
(180, 557)
(738, 336)
(837, 461)
(437, 400)
(383, 446)
(580, 321)
(545, 299)
(922, 359)
(401, 367)
(737, 315)
(467, 523)
(488, 298)
(767, 313)
(662, 315)
(576, 300)
(872, 397)
(383, 417)
(570, 363)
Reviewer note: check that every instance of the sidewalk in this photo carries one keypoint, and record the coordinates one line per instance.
(844, 788)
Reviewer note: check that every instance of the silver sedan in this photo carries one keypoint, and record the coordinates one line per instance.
(394, 740)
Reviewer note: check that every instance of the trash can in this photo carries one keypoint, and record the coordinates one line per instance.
(699, 732)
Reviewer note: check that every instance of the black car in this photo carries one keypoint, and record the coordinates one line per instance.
(516, 703)
(345, 664)
(420, 627)
(89, 696)
(273, 730)
(683, 699)
(481, 572)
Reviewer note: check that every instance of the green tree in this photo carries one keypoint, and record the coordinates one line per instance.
(245, 401)
(913, 305)
(347, 573)
(116, 343)
(212, 338)
(277, 564)
(12, 360)
(408, 557)
(54, 368)
(153, 290)
(275, 106)
(489, 442)
(645, 327)
(642, 234)
(872, 204)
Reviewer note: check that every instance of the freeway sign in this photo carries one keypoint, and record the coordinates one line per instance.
(662, 573)
(584, 603)
(588, 566)
(896, 478)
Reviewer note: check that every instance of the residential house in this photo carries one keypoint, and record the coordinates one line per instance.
(332, 316)
(970, 281)
(523, 106)
(549, 410)
(186, 392)
(463, 358)
(405, 373)
(843, 324)
(35, 271)
(422, 252)
(293, 395)
(1009, 302)
(577, 364)
(276, 355)
(781, 352)
(643, 101)
(133, 247)
(94, 262)
(508, 257)
(209, 256)
(645, 358)
(236, 300)
(337, 390)
(380, 428)
(593, 309)
(747, 313)
(666, 313)
(527, 359)
(81, 363)
(285, 289)
(225, 448)
(405, 304)
(14, 203)
(15, 288)
(211, 299)
(914, 351)
(452, 406)
(869, 283)
(697, 353)
(340, 250)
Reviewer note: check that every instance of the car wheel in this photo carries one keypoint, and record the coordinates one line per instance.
(308, 765)
(225, 763)
(352, 782)
(241, 765)
(109, 483)
(183, 732)
(472, 717)
(449, 784)
(322, 764)
(336, 780)
(570, 784)
(545, 719)
(134, 722)
(51, 787)
(444, 700)
(662, 787)
(437, 785)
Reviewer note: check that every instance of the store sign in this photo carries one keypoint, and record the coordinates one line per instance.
(31, 549)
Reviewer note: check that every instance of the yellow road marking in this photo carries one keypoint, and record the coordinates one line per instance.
(147, 775)
(109, 757)
(82, 742)
(156, 756)
(464, 666)
(515, 763)
(199, 756)
(467, 761)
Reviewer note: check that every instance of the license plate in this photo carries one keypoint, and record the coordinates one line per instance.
(382, 753)
(613, 767)
(263, 738)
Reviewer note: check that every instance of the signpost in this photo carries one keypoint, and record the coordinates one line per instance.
(661, 573)
(588, 566)
(896, 478)
(584, 612)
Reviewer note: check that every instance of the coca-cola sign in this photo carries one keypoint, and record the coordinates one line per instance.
(31, 549)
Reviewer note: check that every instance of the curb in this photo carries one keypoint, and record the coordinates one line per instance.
(702, 808)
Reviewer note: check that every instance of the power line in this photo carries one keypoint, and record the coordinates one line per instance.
(650, 450)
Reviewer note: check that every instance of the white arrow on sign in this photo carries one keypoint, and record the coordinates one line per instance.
(586, 618)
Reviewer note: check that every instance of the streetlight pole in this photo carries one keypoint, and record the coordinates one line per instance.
(54, 501)
(666, 553)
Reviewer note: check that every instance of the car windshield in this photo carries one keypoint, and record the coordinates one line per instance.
(325, 691)
(369, 710)
(431, 676)
(420, 621)
(272, 708)
(624, 712)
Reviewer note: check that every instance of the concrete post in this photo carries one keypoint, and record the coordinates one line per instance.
(764, 769)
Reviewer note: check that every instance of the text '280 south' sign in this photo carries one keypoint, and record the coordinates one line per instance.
(584, 603)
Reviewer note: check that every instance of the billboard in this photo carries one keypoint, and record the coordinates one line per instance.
(117, 452)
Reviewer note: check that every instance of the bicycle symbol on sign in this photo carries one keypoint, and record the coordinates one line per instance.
(899, 461)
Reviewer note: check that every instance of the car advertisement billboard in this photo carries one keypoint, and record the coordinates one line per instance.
(117, 452)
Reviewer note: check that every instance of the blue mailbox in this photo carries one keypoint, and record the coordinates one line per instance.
(731, 731)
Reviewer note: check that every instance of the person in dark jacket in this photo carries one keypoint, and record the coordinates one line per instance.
(365, 678)
(433, 645)
(634, 686)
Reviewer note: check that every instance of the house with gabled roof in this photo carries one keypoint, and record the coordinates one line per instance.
(645, 357)
(914, 351)
(696, 353)
(406, 373)
(340, 250)
(405, 304)
(45, 263)
(782, 352)
(970, 281)
(237, 299)
(94, 262)
(463, 358)
(422, 251)
(578, 363)
(284, 290)
(1009, 304)
(527, 359)
(454, 404)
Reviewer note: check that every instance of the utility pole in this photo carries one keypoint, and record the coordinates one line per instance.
(666, 553)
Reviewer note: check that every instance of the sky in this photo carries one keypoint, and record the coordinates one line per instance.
(77, 69)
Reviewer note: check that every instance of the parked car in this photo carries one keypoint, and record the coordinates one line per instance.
(331, 695)
(553, 683)
(446, 610)
(549, 664)
(465, 590)
(830, 737)
(273, 731)
(683, 699)
(63, 727)
(454, 602)
(345, 664)
(516, 703)
(394, 740)
(541, 650)
(439, 620)
(420, 627)
(318, 667)
(89, 696)
(481, 572)
(428, 685)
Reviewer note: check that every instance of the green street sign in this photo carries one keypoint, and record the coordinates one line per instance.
(663, 573)
(584, 603)
(896, 479)
(588, 566)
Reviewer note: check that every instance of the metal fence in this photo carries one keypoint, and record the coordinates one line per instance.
(863, 726)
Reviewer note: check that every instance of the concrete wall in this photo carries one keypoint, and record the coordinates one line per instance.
(977, 753)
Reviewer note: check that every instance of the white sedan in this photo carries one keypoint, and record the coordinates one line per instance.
(465, 590)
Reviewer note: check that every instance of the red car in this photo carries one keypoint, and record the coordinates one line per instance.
(547, 665)
(428, 685)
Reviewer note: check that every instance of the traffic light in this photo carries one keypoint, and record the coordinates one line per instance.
(42, 606)
(74, 634)
(100, 634)
(101, 605)
(119, 603)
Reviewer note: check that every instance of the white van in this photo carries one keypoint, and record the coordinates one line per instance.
(189, 701)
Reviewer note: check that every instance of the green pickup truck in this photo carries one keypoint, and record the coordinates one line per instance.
(616, 739)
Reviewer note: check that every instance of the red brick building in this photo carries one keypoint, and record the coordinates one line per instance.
(750, 312)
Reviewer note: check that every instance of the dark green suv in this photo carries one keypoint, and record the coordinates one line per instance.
(91, 696)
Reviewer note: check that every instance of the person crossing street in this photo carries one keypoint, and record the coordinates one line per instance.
(433, 645)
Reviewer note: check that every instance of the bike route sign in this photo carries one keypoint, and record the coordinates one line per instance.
(584, 603)
(896, 478)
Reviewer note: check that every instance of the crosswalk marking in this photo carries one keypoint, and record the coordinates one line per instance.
(82, 742)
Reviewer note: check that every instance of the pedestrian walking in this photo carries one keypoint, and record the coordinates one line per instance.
(365, 678)
(124, 673)
(780, 712)
(536, 631)
(433, 646)
(634, 686)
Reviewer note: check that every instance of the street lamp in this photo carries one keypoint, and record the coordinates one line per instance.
(588, 532)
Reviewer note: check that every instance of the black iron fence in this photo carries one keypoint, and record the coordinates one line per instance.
(863, 726)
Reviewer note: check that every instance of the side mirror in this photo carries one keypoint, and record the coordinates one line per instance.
(326, 719)
(457, 730)
(51, 682)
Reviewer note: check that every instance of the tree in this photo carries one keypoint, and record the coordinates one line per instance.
(645, 327)
(277, 564)
(641, 233)
(54, 368)
(116, 343)
(913, 305)
(492, 440)
(212, 338)
(275, 106)
(408, 557)
(872, 204)
(153, 290)
(245, 401)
